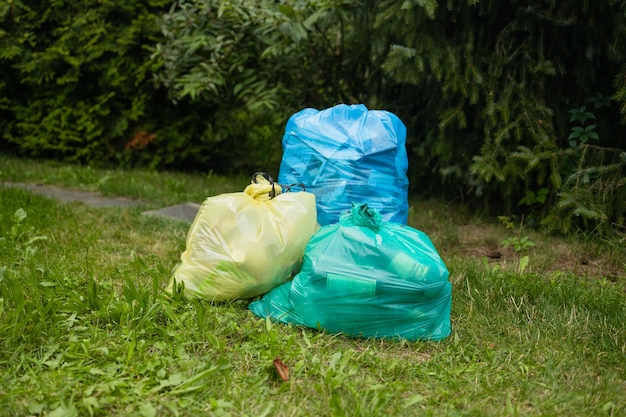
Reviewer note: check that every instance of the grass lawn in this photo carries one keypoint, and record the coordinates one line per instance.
(86, 329)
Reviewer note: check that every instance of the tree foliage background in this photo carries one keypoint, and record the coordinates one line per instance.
(517, 106)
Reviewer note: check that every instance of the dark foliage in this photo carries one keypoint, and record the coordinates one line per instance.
(517, 107)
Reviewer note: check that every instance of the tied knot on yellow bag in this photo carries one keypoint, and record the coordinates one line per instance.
(263, 187)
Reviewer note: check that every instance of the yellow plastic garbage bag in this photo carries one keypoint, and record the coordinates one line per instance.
(244, 244)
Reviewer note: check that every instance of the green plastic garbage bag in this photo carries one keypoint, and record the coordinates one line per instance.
(366, 278)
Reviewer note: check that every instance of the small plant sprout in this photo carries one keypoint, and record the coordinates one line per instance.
(582, 132)
(519, 243)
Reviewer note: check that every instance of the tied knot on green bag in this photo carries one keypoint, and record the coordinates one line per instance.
(364, 215)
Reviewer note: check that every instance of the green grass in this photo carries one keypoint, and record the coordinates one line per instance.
(156, 188)
(85, 329)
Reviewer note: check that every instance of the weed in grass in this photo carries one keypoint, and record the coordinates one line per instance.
(519, 243)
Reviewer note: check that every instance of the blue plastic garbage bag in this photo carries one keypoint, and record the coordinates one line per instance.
(348, 153)
(366, 278)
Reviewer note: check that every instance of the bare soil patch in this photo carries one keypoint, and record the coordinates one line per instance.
(550, 254)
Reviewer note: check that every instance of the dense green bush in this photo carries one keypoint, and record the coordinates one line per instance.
(256, 63)
(80, 79)
(494, 98)
(516, 106)
(209, 59)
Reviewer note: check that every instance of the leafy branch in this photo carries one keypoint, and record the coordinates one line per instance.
(582, 132)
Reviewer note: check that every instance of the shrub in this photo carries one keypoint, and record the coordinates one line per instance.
(79, 75)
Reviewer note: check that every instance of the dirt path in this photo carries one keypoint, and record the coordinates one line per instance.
(184, 212)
